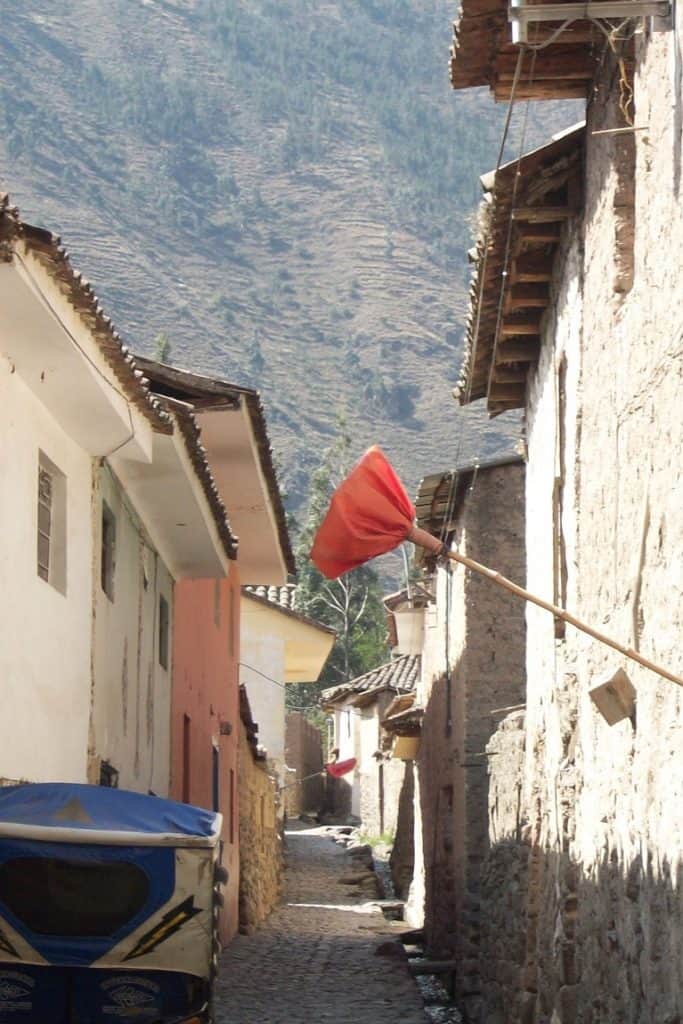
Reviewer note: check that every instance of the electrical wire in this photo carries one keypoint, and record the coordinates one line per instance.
(258, 672)
(508, 239)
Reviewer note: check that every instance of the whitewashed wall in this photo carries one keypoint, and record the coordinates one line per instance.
(132, 690)
(347, 739)
(262, 650)
(45, 648)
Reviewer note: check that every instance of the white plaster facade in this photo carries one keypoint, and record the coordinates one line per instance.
(278, 648)
(45, 651)
(83, 683)
(131, 672)
(262, 671)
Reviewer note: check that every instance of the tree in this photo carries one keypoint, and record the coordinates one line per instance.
(162, 348)
(351, 605)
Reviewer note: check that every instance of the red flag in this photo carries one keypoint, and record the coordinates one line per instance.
(370, 514)
(338, 768)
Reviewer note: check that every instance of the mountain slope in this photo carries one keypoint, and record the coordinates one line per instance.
(282, 189)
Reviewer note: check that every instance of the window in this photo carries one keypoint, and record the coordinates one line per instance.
(215, 776)
(559, 547)
(109, 775)
(70, 897)
(108, 554)
(44, 522)
(186, 758)
(232, 805)
(217, 603)
(163, 632)
(51, 524)
(233, 607)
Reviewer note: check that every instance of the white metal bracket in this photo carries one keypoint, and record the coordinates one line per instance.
(521, 15)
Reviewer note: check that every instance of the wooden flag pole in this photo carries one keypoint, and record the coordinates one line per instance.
(433, 544)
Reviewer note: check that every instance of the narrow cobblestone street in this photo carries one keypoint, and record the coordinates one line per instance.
(315, 959)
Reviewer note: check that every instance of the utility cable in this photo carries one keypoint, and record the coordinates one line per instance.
(508, 239)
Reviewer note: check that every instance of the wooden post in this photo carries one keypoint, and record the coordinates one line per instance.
(433, 544)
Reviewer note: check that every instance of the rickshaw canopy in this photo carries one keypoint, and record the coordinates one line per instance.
(77, 813)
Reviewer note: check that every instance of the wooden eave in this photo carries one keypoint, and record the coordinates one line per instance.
(440, 495)
(482, 53)
(506, 311)
(208, 393)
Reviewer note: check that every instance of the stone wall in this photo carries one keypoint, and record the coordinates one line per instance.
(402, 859)
(504, 877)
(484, 627)
(603, 804)
(260, 840)
(380, 776)
(303, 757)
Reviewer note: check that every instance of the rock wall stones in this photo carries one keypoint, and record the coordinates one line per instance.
(260, 840)
(304, 758)
(402, 858)
(602, 805)
(484, 628)
(504, 878)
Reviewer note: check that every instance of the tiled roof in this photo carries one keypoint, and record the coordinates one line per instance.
(284, 599)
(483, 53)
(525, 205)
(284, 596)
(400, 674)
(53, 257)
(200, 390)
(440, 495)
(49, 252)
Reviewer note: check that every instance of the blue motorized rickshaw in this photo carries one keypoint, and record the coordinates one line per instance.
(108, 907)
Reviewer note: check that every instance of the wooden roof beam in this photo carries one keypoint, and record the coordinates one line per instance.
(527, 296)
(519, 328)
(532, 268)
(507, 393)
(533, 231)
(543, 214)
(577, 32)
(503, 374)
(560, 90)
(518, 352)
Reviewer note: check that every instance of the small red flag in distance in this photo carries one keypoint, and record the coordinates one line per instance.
(338, 768)
(370, 514)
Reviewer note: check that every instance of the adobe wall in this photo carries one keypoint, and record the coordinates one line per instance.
(605, 933)
(303, 757)
(205, 714)
(260, 839)
(486, 642)
(380, 776)
(504, 877)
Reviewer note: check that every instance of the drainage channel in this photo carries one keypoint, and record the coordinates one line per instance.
(437, 999)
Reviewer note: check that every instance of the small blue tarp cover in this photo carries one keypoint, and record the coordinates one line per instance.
(98, 808)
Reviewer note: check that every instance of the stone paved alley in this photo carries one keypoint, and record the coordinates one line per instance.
(315, 958)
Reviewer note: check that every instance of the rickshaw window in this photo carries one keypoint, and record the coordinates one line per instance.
(73, 898)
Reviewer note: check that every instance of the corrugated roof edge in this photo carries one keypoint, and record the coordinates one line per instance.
(216, 386)
(77, 290)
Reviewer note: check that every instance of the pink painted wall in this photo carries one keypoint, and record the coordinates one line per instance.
(206, 696)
